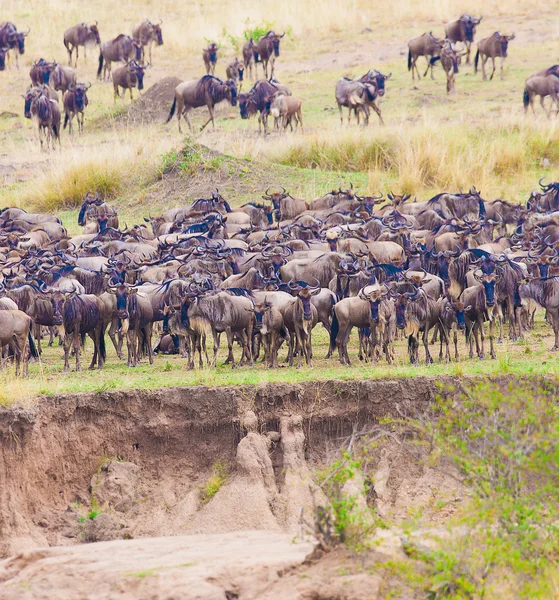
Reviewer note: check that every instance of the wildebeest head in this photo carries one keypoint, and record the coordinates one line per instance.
(401, 302)
(94, 31)
(80, 94)
(305, 292)
(276, 197)
(504, 41)
(30, 95)
(259, 310)
(158, 33)
(57, 301)
(373, 294)
(381, 81)
(231, 92)
(488, 280)
(468, 25)
(212, 52)
(3, 51)
(275, 39)
(459, 309)
(240, 71)
(139, 71)
(247, 105)
(122, 291)
(17, 39)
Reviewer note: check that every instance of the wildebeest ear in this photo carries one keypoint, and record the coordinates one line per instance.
(468, 308)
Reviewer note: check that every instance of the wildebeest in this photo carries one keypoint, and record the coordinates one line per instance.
(268, 322)
(449, 60)
(300, 318)
(75, 100)
(47, 115)
(13, 39)
(3, 52)
(209, 55)
(146, 33)
(81, 35)
(235, 70)
(285, 206)
(248, 56)
(426, 45)
(491, 47)
(207, 91)
(352, 94)
(128, 77)
(62, 78)
(15, 331)
(284, 109)
(541, 85)
(463, 30)
(32, 93)
(266, 50)
(122, 49)
(40, 71)
(256, 101)
(545, 291)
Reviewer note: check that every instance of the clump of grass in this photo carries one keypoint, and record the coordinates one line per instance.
(218, 477)
(95, 509)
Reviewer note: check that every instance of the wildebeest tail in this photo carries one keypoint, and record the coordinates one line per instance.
(455, 65)
(409, 60)
(32, 347)
(66, 119)
(55, 131)
(334, 331)
(102, 348)
(100, 65)
(434, 59)
(476, 60)
(526, 97)
(172, 110)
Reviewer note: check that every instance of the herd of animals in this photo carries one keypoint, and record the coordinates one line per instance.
(266, 273)
(267, 96)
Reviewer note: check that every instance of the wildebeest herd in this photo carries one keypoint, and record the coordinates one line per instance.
(266, 273)
(267, 97)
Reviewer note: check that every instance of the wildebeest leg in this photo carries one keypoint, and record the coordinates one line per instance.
(548, 115)
(428, 359)
(211, 119)
(130, 341)
(148, 331)
(493, 71)
(468, 49)
(554, 314)
(481, 331)
(492, 336)
(131, 96)
(77, 54)
(377, 110)
(340, 108)
(502, 68)
(77, 348)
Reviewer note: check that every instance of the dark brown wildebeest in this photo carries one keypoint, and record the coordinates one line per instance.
(426, 45)
(491, 47)
(146, 33)
(207, 91)
(122, 49)
(256, 101)
(284, 109)
(75, 100)
(3, 52)
(47, 115)
(463, 30)
(81, 35)
(32, 93)
(235, 70)
(128, 77)
(93, 201)
(300, 319)
(450, 58)
(268, 322)
(40, 72)
(209, 55)
(62, 78)
(542, 86)
(249, 49)
(13, 39)
(15, 331)
(267, 49)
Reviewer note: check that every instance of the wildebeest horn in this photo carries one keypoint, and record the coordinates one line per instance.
(293, 285)
(89, 85)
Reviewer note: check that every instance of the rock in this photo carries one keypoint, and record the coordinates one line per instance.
(115, 485)
(104, 528)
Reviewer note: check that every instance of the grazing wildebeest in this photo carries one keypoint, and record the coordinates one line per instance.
(426, 45)
(3, 52)
(81, 35)
(209, 55)
(463, 30)
(128, 77)
(235, 70)
(75, 100)
(15, 330)
(47, 114)
(449, 60)
(207, 91)
(121, 49)
(62, 78)
(266, 50)
(286, 108)
(491, 47)
(256, 101)
(542, 86)
(13, 39)
(146, 33)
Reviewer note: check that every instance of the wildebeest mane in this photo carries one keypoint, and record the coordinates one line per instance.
(239, 292)
(212, 86)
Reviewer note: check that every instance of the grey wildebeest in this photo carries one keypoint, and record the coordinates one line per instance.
(491, 47)
(62, 78)
(249, 49)
(463, 30)
(266, 50)
(15, 331)
(128, 77)
(235, 70)
(268, 322)
(47, 115)
(426, 45)
(75, 100)
(209, 55)
(13, 39)
(146, 33)
(207, 91)
(121, 49)
(449, 60)
(81, 35)
(352, 94)
(285, 109)
(542, 85)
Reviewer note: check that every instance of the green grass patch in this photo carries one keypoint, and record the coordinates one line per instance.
(217, 478)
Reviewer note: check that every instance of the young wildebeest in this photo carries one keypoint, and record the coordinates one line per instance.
(13, 39)
(235, 70)
(146, 33)
(47, 114)
(541, 85)
(81, 35)
(128, 77)
(286, 108)
(489, 48)
(207, 91)
(209, 56)
(15, 330)
(463, 30)
(426, 45)
(267, 49)
(75, 100)
(249, 49)
(121, 49)
(449, 60)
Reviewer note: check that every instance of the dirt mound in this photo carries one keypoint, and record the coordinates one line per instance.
(154, 104)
